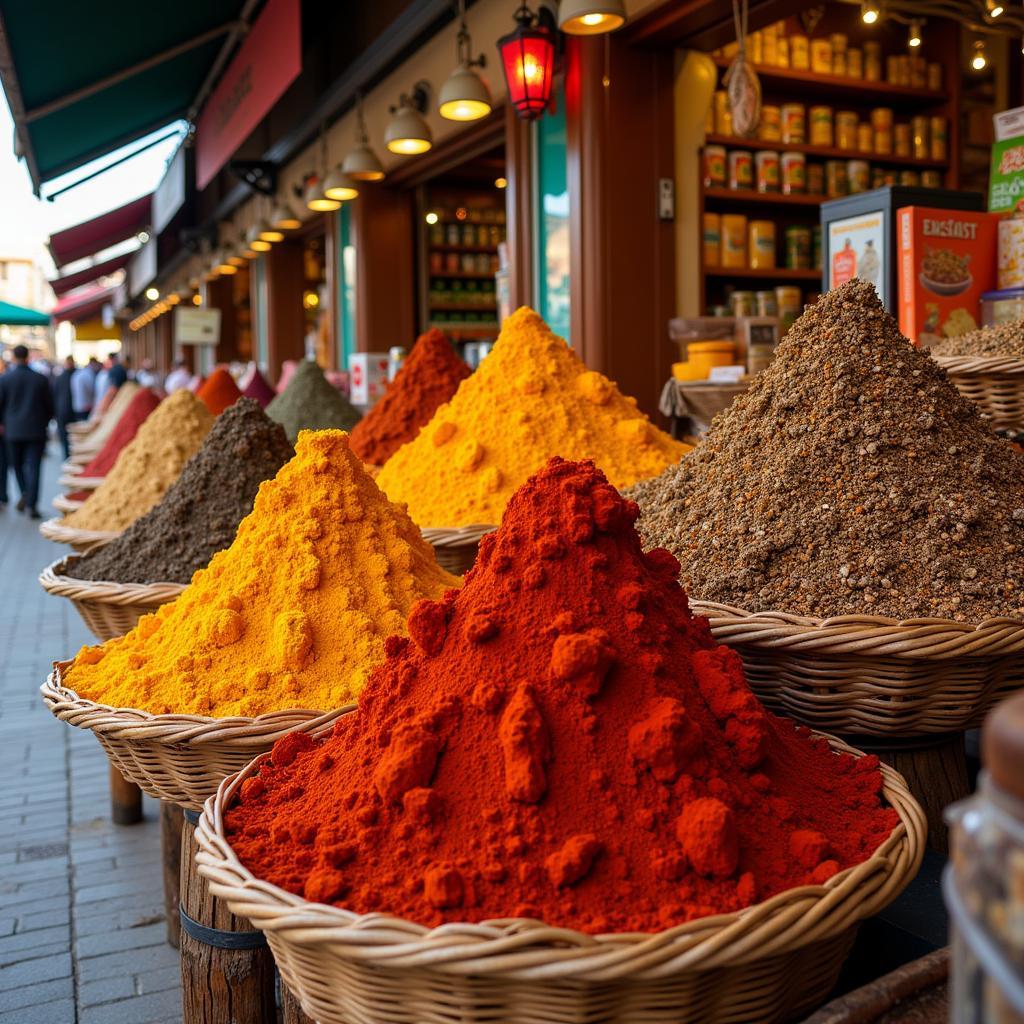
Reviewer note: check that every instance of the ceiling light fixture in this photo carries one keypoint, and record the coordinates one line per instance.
(152, 293)
(869, 12)
(315, 199)
(993, 8)
(590, 17)
(528, 60)
(914, 35)
(407, 132)
(464, 96)
(339, 186)
(979, 61)
(254, 238)
(362, 163)
(283, 218)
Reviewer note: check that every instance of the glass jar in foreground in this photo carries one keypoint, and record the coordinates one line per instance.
(984, 882)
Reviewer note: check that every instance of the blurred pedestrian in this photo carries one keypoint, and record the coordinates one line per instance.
(146, 376)
(63, 405)
(178, 378)
(26, 408)
(83, 389)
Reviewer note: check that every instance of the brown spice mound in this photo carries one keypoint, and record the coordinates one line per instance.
(851, 477)
(1001, 340)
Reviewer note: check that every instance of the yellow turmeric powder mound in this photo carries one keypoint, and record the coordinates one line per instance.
(169, 436)
(293, 615)
(531, 398)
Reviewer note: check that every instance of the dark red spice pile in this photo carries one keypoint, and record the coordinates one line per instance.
(144, 402)
(560, 740)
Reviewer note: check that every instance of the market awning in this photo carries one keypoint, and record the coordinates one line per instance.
(83, 79)
(82, 305)
(19, 316)
(69, 282)
(92, 236)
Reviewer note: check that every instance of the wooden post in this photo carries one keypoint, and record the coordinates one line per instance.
(935, 768)
(227, 972)
(170, 844)
(291, 1009)
(125, 800)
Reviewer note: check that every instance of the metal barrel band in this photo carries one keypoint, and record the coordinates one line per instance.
(192, 817)
(217, 937)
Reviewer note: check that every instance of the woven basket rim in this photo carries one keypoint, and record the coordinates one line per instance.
(56, 530)
(987, 365)
(531, 950)
(133, 724)
(455, 536)
(62, 503)
(867, 635)
(54, 580)
(73, 482)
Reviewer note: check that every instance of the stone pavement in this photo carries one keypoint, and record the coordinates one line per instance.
(82, 937)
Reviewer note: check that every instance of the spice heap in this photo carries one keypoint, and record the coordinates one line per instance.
(147, 466)
(293, 615)
(428, 378)
(143, 402)
(311, 402)
(119, 403)
(559, 740)
(257, 386)
(531, 398)
(200, 512)
(219, 391)
(1006, 339)
(851, 477)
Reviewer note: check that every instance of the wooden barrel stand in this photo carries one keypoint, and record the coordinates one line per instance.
(227, 972)
(170, 846)
(291, 1010)
(125, 800)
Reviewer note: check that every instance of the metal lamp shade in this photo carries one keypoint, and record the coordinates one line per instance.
(407, 132)
(464, 97)
(339, 186)
(590, 17)
(363, 164)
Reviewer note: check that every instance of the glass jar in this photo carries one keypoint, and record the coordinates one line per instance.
(984, 882)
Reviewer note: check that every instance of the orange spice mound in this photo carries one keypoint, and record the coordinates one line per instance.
(428, 378)
(219, 391)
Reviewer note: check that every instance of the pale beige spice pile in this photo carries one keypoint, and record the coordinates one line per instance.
(146, 467)
(1005, 339)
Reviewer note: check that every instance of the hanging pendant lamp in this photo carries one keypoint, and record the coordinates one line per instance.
(528, 61)
(464, 96)
(362, 163)
(407, 132)
(590, 17)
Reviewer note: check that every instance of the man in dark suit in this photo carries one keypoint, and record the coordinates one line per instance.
(63, 406)
(26, 408)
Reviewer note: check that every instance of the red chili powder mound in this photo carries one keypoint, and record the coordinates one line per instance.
(219, 391)
(259, 388)
(561, 739)
(144, 402)
(427, 379)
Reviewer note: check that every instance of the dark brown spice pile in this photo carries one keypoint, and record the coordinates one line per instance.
(851, 477)
(1001, 340)
(200, 512)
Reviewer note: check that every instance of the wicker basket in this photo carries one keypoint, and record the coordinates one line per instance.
(80, 483)
(764, 964)
(65, 505)
(456, 546)
(79, 540)
(180, 758)
(871, 675)
(108, 609)
(994, 383)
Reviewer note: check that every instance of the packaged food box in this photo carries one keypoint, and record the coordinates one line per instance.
(947, 260)
(368, 375)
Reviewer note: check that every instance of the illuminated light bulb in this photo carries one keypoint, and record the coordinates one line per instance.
(590, 17)
(338, 186)
(914, 35)
(284, 219)
(869, 12)
(979, 61)
(407, 133)
(501, 182)
(431, 218)
(152, 294)
(316, 200)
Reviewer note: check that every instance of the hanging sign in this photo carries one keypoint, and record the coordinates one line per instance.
(196, 326)
(268, 62)
(169, 196)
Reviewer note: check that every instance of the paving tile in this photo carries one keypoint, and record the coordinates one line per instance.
(60, 1012)
(145, 1008)
(35, 971)
(30, 995)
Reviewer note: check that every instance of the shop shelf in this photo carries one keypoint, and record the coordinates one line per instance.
(826, 152)
(463, 248)
(463, 275)
(746, 195)
(461, 307)
(775, 273)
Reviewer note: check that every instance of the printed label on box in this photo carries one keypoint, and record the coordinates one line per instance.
(857, 249)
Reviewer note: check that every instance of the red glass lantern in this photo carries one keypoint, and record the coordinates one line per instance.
(528, 60)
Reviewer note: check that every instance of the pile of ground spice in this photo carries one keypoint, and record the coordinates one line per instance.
(311, 402)
(560, 740)
(294, 614)
(255, 385)
(106, 423)
(851, 477)
(138, 409)
(427, 379)
(147, 466)
(531, 398)
(219, 391)
(200, 513)
(1005, 339)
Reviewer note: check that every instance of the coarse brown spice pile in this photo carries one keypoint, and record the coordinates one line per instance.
(851, 477)
(1001, 340)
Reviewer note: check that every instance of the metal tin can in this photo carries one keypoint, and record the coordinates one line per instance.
(865, 137)
(836, 182)
(790, 305)
(761, 244)
(858, 175)
(782, 52)
(918, 72)
(734, 240)
(910, 178)
(846, 129)
(839, 64)
(855, 62)
(712, 240)
(892, 69)
(742, 303)
(766, 303)
(821, 126)
(873, 61)
(769, 128)
(883, 141)
(838, 42)
(938, 138)
(755, 51)
(931, 179)
(921, 135)
(821, 56)
(881, 117)
(741, 170)
(723, 116)
(815, 179)
(799, 52)
(934, 76)
(766, 164)
(794, 123)
(901, 139)
(798, 248)
(714, 167)
(794, 173)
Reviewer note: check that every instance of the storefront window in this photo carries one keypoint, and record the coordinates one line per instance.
(551, 258)
(346, 288)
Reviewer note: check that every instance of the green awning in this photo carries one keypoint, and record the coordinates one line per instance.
(19, 316)
(84, 79)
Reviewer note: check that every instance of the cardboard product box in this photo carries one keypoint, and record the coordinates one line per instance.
(368, 376)
(947, 260)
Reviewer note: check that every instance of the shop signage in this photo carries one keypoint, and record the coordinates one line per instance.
(196, 326)
(266, 64)
(142, 268)
(169, 196)
(1006, 176)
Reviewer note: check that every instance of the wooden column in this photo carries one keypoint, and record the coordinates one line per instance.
(164, 356)
(384, 234)
(220, 295)
(286, 323)
(170, 845)
(125, 800)
(619, 122)
(291, 1008)
(519, 208)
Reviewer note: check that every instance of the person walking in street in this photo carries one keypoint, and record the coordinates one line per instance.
(63, 406)
(83, 389)
(26, 408)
